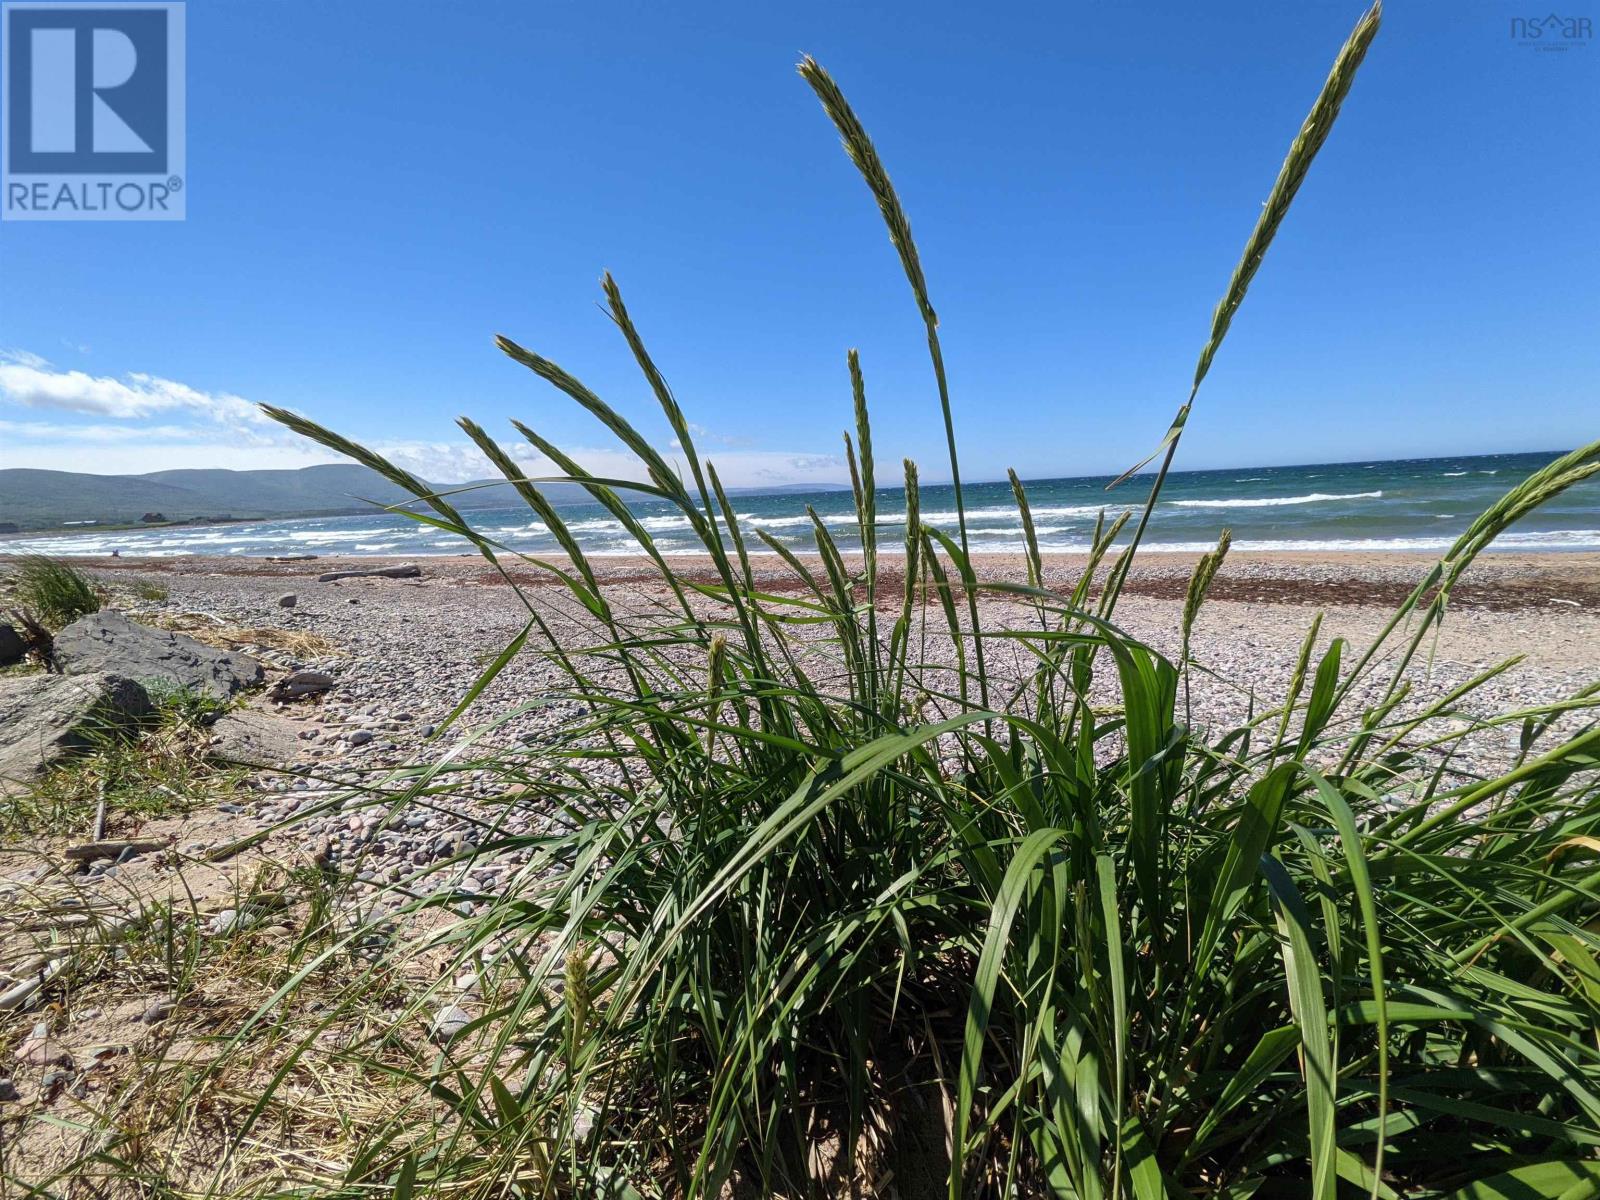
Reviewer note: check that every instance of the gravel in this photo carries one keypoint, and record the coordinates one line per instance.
(413, 646)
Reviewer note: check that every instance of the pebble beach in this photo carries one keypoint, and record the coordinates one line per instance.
(404, 651)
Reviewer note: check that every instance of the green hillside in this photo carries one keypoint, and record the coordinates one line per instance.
(34, 499)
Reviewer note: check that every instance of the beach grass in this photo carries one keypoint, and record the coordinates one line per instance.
(161, 772)
(819, 911)
(52, 590)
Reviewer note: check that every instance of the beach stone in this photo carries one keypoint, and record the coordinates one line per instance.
(8, 1091)
(159, 1011)
(304, 682)
(359, 737)
(288, 600)
(253, 738)
(44, 718)
(449, 1022)
(109, 641)
(223, 922)
(12, 647)
(401, 571)
(39, 1049)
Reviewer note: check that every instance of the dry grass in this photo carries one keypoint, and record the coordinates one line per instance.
(282, 1051)
(214, 631)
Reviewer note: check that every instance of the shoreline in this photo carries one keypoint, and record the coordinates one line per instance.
(1508, 580)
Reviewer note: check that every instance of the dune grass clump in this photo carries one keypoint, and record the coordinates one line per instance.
(818, 911)
(53, 590)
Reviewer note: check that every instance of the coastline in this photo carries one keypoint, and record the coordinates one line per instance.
(1503, 581)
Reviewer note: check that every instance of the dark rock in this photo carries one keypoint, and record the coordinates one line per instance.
(108, 641)
(43, 718)
(159, 1011)
(253, 738)
(304, 682)
(53, 1081)
(12, 647)
(8, 1091)
(288, 600)
(402, 571)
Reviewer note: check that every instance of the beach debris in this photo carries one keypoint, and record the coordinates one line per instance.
(36, 639)
(12, 647)
(44, 718)
(120, 851)
(401, 571)
(288, 600)
(291, 558)
(109, 641)
(304, 682)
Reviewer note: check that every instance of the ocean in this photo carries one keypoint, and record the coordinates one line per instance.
(1410, 504)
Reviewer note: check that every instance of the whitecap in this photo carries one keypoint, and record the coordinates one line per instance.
(1276, 501)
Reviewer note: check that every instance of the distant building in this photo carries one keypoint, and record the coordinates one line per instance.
(153, 518)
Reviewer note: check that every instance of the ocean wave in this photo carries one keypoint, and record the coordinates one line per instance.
(665, 524)
(1276, 501)
(993, 541)
(595, 525)
(1007, 512)
(1452, 474)
(1550, 539)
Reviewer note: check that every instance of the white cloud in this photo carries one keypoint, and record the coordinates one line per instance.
(219, 429)
(55, 431)
(29, 381)
(454, 462)
(137, 457)
(23, 358)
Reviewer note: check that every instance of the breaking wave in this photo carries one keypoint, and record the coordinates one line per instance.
(1276, 501)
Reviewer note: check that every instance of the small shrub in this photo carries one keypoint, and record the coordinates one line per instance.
(184, 707)
(57, 592)
(150, 591)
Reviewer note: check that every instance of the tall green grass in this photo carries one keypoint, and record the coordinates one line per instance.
(52, 590)
(813, 916)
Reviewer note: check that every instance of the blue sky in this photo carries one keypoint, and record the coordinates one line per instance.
(374, 191)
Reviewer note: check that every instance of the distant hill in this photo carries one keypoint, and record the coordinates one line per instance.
(34, 499)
